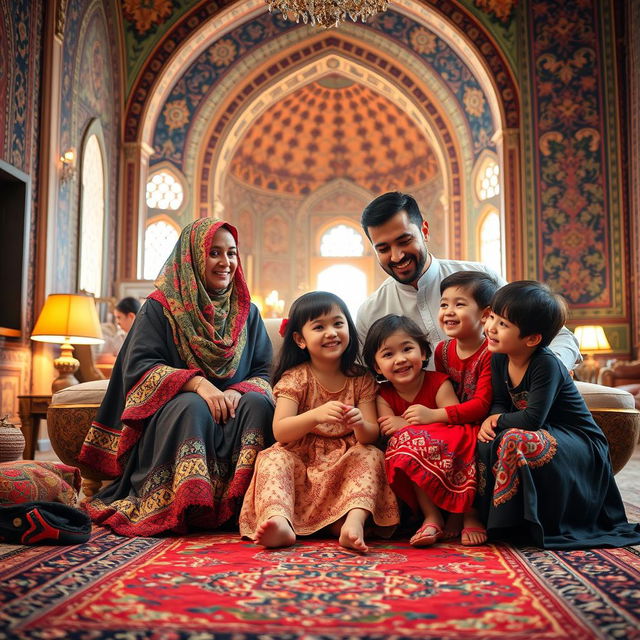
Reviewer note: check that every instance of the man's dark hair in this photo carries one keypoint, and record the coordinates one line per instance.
(384, 207)
(532, 307)
(128, 305)
(386, 326)
(479, 285)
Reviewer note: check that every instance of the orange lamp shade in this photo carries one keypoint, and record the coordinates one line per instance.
(68, 317)
(592, 339)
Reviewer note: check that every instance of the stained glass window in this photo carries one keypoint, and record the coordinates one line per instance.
(164, 191)
(488, 181)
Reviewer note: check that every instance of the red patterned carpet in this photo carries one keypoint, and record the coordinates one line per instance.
(217, 586)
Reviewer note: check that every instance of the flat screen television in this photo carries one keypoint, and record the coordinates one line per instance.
(14, 217)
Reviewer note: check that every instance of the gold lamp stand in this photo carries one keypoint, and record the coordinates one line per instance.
(66, 365)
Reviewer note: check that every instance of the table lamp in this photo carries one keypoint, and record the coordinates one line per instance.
(67, 318)
(591, 339)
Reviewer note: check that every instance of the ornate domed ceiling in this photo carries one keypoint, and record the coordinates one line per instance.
(333, 128)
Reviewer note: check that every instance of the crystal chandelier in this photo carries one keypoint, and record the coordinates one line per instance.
(327, 13)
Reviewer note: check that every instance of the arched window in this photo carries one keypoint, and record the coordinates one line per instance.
(92, 206)
(346, 281)
(160, 237)
(488, 180)
(490, 241)
(341, 240)
(342, 267)
(164, 191)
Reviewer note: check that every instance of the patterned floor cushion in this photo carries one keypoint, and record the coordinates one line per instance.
(31, 481)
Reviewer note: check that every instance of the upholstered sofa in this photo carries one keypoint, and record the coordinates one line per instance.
(72, 410)
(625, 375)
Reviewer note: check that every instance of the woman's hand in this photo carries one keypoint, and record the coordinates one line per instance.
(487, 430)
(233, 398)
(332, 412)
(419, 414)
(218, 403)
(390, 424)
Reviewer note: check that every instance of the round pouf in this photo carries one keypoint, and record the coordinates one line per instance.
(68, 420)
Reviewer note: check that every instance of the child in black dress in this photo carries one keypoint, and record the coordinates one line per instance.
(543, 463)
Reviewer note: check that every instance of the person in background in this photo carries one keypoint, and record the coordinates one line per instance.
(124, 314)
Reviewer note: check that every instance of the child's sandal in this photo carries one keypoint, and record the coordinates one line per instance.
(421, 539)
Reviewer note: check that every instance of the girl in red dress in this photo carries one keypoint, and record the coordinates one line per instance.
(430, 465)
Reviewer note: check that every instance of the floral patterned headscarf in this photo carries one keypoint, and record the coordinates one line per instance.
(209, 329)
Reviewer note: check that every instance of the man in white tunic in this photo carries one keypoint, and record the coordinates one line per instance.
(399, 234)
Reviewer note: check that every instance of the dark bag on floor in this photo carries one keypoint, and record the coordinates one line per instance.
(43, 523)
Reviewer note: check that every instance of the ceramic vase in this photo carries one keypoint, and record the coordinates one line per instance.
(11, 441)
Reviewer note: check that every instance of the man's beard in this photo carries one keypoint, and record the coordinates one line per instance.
(419, 268)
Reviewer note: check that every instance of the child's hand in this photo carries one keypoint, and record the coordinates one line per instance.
(330, 412)
(487, 430)
(390, 424)
(419, 414)
(354, 418)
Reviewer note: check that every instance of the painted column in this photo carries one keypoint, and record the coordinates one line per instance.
(633, 70)
(50, 168)
(134, 208)
(508, 146)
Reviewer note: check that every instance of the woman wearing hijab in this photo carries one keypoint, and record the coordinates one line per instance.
(189, 404)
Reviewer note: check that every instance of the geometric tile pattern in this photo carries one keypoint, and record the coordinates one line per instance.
(334, 128)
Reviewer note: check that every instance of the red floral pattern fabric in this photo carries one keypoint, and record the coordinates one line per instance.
(31, 481)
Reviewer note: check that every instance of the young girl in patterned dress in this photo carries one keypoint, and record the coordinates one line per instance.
(544, 471)
(465, 358)
(324, 470)
(430, 465)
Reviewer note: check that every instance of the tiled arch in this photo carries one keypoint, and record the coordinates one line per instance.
(277, 75)
(213, 146)
(207, 21)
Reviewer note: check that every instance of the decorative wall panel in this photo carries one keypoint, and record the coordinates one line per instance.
(578, 245)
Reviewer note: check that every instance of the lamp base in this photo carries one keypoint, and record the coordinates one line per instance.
(588, 370)
(66, 365)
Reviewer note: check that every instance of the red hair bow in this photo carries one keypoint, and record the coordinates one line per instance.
(283, 326)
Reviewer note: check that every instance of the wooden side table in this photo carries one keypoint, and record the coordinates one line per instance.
(31, 409)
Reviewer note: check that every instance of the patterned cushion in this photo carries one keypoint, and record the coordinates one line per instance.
(31, 481)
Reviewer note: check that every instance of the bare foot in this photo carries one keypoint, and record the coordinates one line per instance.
(474, 531)
(275, 532)
(452, 526)
(352, 531)
(352, 537)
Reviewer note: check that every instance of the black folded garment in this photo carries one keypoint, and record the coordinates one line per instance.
(43, 523)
